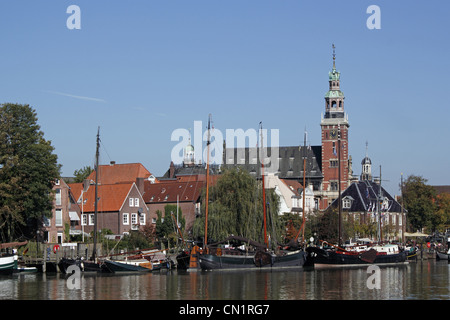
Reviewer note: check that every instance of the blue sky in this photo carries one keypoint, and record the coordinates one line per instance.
(141, 69)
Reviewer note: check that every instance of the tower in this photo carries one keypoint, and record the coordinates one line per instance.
(366, 170)
(334, 126)
(189, 154)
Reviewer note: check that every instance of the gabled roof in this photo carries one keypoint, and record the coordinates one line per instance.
(119, 173)
(169, 191)
(364, 194)
(111, 197)
(76, 189)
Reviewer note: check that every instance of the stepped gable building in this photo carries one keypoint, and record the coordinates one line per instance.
(321, 169)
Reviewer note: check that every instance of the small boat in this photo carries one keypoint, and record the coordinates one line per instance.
(141, 265)
(442, 255)
(84, 265)
(7, 264)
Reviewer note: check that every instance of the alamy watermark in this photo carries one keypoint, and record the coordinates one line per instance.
(262, 144)
(374, 280)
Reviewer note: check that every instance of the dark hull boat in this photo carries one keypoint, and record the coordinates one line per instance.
(236, 258)
(125, 266)
(84, 265)
(183, 260)
(320, 258)
(257, 260)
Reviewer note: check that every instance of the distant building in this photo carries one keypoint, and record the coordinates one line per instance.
(121, 207)
(366, 201)
(65, 213)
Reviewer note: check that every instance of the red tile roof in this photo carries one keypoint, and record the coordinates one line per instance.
(168, 191)
(294, 185)
(118, 173)
(111, 197)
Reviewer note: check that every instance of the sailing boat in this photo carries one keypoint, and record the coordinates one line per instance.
(91, 265)
(355, 256)
(243, 253)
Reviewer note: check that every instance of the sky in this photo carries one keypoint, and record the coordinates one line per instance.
(142, 69)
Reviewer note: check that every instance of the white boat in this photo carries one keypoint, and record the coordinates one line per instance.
(7, 264)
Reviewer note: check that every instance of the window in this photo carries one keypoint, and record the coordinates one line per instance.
(142, 219)
(333, 186)
(153, 220)
(84, 219)
(136, 202)
(126, 219)
(131, 202)
(134, 221)
(58, 197)
(58, 218)
(346, 203)
(91, 219)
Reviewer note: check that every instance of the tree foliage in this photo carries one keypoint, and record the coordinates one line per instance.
(418, 199)
(236, 208)
(28, 170)
(166, 229)
(82, 173)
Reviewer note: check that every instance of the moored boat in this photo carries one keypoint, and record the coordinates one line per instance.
(7, 264)
(141, 265)
(336, 257)
(442, 255)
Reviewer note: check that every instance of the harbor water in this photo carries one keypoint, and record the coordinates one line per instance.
(422, 280)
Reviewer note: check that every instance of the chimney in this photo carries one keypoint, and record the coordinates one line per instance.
(86, 184)
(171, 170)
(112, 163)
(140, 185)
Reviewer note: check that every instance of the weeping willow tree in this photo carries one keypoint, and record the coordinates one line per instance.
(236, 208)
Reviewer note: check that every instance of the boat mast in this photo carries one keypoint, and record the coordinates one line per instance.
(304, 188)
(207, 182)
(94, 251)
(263, 186)
(339, 187)
(380, 232)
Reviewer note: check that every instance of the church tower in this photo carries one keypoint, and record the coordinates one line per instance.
(334, 126)
(366, 170)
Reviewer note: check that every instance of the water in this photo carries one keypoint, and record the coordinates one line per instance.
(424, 280)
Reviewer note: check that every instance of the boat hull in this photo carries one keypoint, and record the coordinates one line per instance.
(254, 261)
(320, 258)
(442, 256)
(7, 265)
(116, 266)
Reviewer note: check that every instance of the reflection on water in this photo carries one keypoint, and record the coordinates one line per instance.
(418, 280)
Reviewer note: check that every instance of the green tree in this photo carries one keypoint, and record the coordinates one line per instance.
(236, 208)
(418, 198)
(28, 170)
(166, 229)
(82, 173)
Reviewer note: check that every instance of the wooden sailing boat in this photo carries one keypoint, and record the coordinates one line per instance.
(248, 254)
(338, 256)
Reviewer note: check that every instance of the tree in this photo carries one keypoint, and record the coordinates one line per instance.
(166, 229)
(82, 173)
(28, 170)
(418, 199)
(236, 208)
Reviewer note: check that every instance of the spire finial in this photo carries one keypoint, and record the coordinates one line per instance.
(334, 56)
(367, 147)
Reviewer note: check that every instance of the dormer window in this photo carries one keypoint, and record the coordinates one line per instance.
(347, 202)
